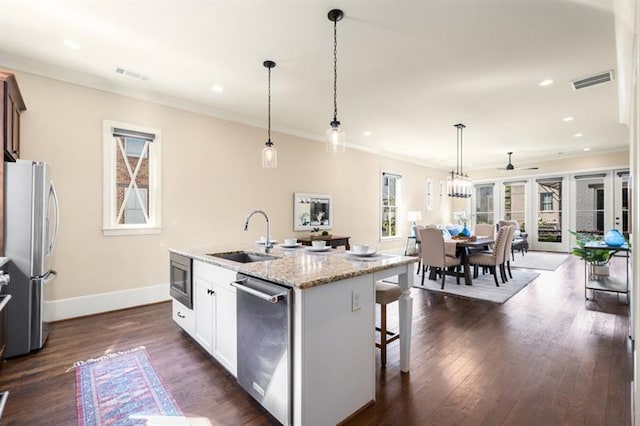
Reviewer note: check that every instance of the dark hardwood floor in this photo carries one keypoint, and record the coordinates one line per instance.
(545, 357)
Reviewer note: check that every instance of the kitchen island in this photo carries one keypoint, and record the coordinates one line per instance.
(333, 320)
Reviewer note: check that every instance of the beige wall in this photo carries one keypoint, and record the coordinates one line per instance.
(212, 178)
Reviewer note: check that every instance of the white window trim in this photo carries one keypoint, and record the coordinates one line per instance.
(398, 236)
(109, 225)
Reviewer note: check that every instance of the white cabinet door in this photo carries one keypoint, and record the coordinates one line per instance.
(203, 307)
(184, 317)
(225, 328)
(215, 307)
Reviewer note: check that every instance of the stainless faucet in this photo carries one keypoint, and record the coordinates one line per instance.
(267, 244)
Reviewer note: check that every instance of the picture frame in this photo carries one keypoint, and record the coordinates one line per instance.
(312, 211)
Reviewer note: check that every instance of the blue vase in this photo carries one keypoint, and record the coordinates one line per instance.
(465, 231)
(614, 238)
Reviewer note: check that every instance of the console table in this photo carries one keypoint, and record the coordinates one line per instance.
(332, 240)
(608, 283)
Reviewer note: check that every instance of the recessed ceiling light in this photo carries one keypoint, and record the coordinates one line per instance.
(545, 83)
(71, 44)
(217, 88)
(567, 119)
(577, 135)
(367, 133)
(586, 149)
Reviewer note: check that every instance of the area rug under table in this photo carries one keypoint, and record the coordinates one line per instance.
(546, 261)
(121, 389)
(483, 288)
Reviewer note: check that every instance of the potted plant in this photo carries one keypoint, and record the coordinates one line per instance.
(598, 259)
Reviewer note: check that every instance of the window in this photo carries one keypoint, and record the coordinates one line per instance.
(390, 192)
(429, 194)
(546, 201)
(484, 203)
(131, 198)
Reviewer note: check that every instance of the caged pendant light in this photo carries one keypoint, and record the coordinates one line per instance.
(458, 183)
(269, 153)
(335, 140)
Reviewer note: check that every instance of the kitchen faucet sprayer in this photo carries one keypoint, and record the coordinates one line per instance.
(267, 244)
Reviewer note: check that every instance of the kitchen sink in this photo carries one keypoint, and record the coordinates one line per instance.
(243, 256)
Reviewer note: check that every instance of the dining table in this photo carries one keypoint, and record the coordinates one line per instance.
(462, 248)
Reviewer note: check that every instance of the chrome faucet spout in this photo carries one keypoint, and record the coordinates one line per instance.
(267, 244)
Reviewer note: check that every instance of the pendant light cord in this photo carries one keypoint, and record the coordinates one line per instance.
(269, 108)
(335, 71)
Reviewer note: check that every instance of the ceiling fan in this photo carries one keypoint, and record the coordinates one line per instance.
(511, 167)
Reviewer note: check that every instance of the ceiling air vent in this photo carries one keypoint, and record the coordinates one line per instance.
(132, 74)
(592, 80)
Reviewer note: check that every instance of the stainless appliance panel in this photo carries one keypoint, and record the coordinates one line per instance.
(264, 341)
(39, 327)
(31, 224)
(18, 216)
(180, 279)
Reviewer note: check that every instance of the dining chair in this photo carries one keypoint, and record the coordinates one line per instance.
(519, 238)
(419, 244)
(493, 260)
(506, 264)
(484, 230)
(434, 254)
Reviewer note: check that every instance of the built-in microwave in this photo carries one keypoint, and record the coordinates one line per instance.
(180, 279)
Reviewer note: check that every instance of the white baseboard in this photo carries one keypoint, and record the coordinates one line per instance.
(56, 310)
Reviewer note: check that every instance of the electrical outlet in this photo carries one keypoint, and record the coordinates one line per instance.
(355, 301)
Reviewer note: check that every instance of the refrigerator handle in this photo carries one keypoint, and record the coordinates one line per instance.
(54, 194)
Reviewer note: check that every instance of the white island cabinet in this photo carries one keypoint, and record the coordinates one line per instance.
(333, 356)
(214, 313)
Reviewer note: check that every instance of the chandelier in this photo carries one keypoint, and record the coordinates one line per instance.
(458, 183)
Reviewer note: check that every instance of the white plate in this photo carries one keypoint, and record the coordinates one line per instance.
(371, 252)
(290, 245)
(311, 248)
(261, 243)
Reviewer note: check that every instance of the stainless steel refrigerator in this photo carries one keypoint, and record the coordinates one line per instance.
(31, 228)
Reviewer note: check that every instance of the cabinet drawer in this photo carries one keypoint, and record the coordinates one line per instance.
(184, 317)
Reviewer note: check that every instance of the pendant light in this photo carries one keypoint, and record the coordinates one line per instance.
(458, 183)
(335, 135)
(269, 153)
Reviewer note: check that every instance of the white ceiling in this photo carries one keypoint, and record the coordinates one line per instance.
(407, 70)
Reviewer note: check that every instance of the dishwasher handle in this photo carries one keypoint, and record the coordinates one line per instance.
(264, 296)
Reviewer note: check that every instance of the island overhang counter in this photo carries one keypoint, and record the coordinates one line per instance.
(333, 309)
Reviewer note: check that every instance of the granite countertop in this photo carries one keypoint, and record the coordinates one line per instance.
(298, 267)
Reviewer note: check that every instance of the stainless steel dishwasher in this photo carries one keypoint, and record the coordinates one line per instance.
(264, 341)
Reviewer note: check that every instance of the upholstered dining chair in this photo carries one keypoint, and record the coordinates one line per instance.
(483, 230)
(434, 254)
(519, 239)
(418, 245)
(493, 260)
(506, 264)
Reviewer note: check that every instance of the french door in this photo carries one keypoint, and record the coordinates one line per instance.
(550, 227)
(622, 205)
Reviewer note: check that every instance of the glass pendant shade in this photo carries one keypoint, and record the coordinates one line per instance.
(269, 156)
(335, 138)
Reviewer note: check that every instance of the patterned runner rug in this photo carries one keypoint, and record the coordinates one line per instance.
(121, 389)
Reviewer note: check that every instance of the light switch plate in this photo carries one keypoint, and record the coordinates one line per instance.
(355, 301)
